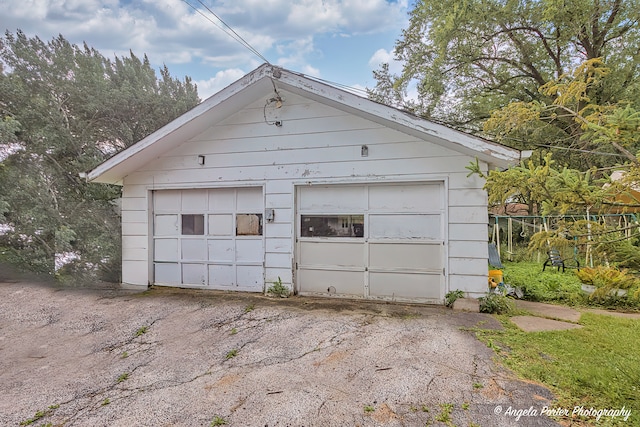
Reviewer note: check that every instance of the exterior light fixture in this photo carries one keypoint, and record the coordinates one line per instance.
(201, 160)
(364, 151)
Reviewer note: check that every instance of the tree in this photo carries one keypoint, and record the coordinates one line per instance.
(65, 109)
(601, 133)
(573, 198)
(560, 76)
(467, 58)
(546, 189)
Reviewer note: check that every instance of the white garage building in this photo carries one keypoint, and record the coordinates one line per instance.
(282, 176)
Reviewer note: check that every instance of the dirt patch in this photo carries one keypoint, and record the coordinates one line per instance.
(108, 357)
(333, 358)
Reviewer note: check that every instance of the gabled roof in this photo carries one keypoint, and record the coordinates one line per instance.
(261, 82)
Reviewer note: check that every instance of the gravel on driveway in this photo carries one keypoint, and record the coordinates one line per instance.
(102, 356)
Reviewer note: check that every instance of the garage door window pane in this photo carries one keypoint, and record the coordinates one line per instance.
(192, 225)
(332, 226)
(249, 225)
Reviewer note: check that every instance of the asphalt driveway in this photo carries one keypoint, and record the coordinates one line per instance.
(102, 356)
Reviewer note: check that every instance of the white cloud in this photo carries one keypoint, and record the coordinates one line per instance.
(311, 71)
(370, 16)
(324, 16)
(286, 32)
(383, 56)
(294, 54)
(222, 79)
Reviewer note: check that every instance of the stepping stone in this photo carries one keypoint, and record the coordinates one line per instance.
(550, 310)
(539, 324)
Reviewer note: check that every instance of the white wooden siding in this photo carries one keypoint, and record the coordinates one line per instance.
(135, 235)
(316, 143)
(468, 232)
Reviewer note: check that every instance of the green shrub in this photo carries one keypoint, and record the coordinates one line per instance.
(496, 304)
(613, 286)
(452, 296)
(607, 278)
(624, 253)
(278, 289)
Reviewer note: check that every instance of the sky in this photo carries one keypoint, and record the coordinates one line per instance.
(340, 41)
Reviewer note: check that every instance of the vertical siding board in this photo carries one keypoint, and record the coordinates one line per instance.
(474, 285)
(135, 242)
(467, 197)
(459, 180)
(467, 232)
(135, 216)
(278, 230)
(135, 272)
(272, 274)
(135, 234)
(278, 260)
(279, 201)
(282, 216)
(279, 245)
(468, 215)
(278, 187)
(467, 249)
(468, 266)
(134, 203)
(134, 254)
(133, 190)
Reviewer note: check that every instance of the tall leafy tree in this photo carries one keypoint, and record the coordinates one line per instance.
(64, 109)
(597, 133)
(466, 58)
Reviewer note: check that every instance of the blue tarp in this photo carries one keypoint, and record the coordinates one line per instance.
(494, 256)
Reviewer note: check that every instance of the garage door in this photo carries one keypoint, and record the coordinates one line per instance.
(372, 241)
(209, 238)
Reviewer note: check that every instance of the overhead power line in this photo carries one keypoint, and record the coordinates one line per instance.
(355, 90)
(580, 150)
(226, 29)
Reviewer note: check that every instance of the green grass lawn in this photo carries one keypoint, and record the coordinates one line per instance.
(595, 366)
(550, 285)
(560, 287)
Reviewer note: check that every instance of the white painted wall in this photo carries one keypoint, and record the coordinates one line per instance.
(316, 143)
